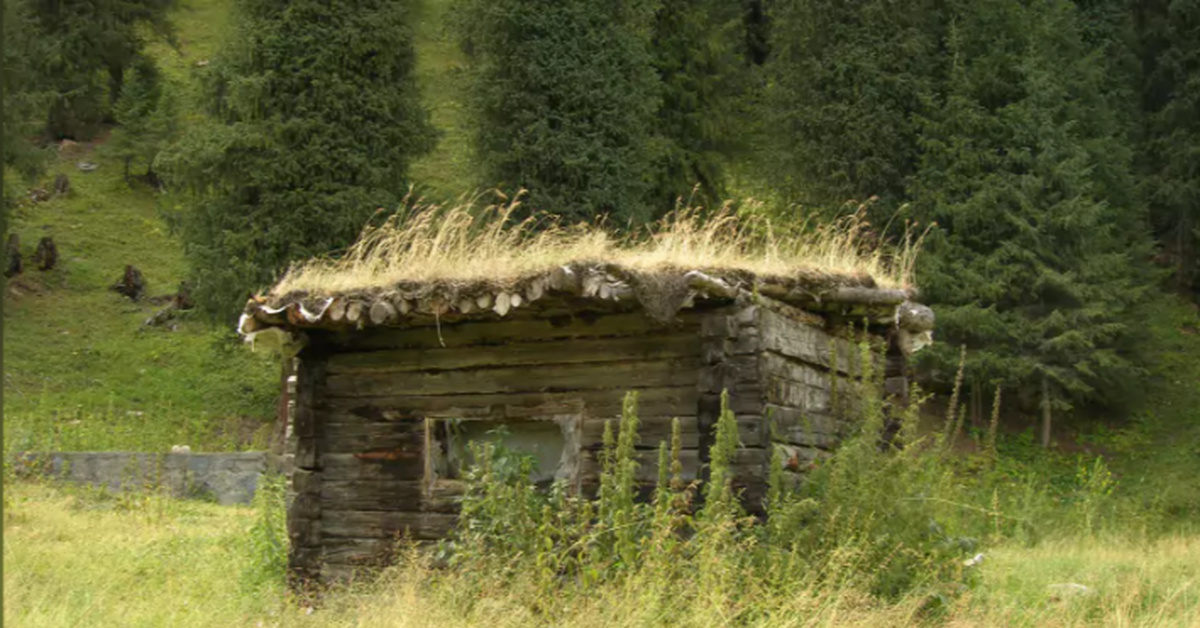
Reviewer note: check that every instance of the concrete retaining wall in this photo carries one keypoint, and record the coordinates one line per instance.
(227, 478)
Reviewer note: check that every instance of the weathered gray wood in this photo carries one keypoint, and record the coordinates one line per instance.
(337, 310)
(784, 336)
(647, 471)
(382, 312)
(351, 551)
(651, 430)
(390, 495)
(567, 351)
(360, 436)
(660, 401)
(796, 427)
(373, 465)
(476, 332)
(384, 524)
(615, 375)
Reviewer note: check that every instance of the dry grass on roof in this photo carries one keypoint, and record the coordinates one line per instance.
(471, 243)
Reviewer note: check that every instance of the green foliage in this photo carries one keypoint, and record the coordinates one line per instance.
(1040, 252)
(148, 114)
(563, 94)
(316, 119)
(90, 44)
(24, 99)
(702, 81)
(267, 539)
(1169, 51)
(846, 80)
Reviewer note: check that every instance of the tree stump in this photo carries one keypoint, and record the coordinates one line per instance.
(62, 185)
(46, 255)
(12, 256)
(132, 284)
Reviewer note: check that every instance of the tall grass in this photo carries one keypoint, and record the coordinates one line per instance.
(470, 241)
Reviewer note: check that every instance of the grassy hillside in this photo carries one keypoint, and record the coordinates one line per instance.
(78, 355)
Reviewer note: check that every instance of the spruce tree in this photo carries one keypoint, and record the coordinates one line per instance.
(1040, 251)
(147, 113)
(316, 119)
(23, 100)
(91, 43)
(698, 125)
(1169, 157)
(564, 94)
(846, 80)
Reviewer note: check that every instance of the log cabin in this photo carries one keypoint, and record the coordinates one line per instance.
(392, 382)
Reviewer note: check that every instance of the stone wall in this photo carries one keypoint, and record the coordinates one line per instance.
(227, 478)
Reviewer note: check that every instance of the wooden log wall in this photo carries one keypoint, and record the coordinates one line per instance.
(361, 474)
(367, 401)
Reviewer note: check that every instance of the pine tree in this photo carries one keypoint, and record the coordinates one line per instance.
(317, 119)
(1040, 250)
(845, 82)
(564, 95)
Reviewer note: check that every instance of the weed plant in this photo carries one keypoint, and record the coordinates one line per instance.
(891, 519)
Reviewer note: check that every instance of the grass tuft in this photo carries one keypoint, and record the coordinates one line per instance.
(472, 242)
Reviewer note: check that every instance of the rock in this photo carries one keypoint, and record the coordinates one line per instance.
(181, 449)
(62, 185)
(132, 284)
(87, 166)
(12, 256)
(1064, 590)
(46, 255)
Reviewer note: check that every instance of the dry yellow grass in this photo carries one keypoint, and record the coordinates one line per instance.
(472, 243)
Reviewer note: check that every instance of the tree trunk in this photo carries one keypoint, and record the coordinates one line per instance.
(1046, 419)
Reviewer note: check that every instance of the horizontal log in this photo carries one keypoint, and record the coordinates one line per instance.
(374, 465)
(672, 400)
(565, 351)
(384, 495)
(359, 552)
(651, 430)
(360, 436)
(647, 459)
(615, 375)
(383, 524)
(782, 335)
(796, 427)
(482, 332)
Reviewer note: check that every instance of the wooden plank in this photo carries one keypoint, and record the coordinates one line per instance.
(360, 436)
(806, 343)
(382, 495)
(351, 551)
(564, 351)
(647, 471)
(651, 430)
(384, 524)
(796, 427)
(672, 400)
(373, 466)
(541, 378)
(477, 332)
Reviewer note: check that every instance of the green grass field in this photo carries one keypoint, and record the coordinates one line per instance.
(78, 559)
